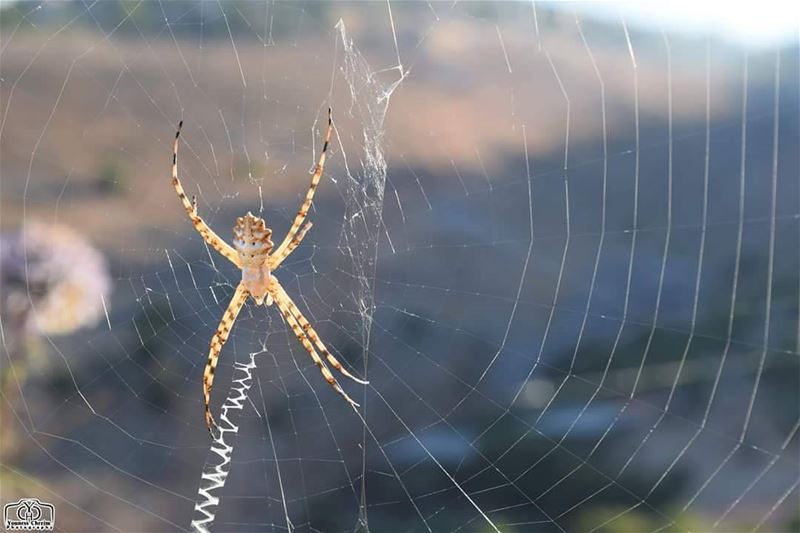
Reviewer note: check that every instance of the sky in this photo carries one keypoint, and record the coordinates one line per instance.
(763, 23)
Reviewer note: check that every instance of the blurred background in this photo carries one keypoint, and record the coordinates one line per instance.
(560, 240)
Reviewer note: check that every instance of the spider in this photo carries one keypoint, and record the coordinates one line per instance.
(252, 253)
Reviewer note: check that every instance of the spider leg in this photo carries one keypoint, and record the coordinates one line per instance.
(303, 212)
(217, 341)
(275, 261)
(298, 332)
(309, 332)
(214, 240)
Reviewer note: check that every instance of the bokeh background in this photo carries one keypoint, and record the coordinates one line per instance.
(575, 294)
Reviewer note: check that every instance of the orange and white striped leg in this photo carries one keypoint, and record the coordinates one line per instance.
(298, 332)
(275, 261)
(217, 341)
(214, 240)
(311, 334)
(303, 212)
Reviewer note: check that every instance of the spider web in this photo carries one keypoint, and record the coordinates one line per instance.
(561, 243)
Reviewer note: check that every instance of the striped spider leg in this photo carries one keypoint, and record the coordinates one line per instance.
(304, 332)
(214, 240)
(217, 341)
(252, 253)
(293, 237)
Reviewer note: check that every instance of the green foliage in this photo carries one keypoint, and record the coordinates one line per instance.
(617, 519)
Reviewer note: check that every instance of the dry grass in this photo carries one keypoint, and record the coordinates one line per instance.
(78, 104)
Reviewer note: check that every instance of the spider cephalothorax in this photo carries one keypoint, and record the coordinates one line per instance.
(252, 253)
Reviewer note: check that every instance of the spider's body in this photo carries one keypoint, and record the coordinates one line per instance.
(252, 252)
(251, 239)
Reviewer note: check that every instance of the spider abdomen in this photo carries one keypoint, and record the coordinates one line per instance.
(251, 238)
